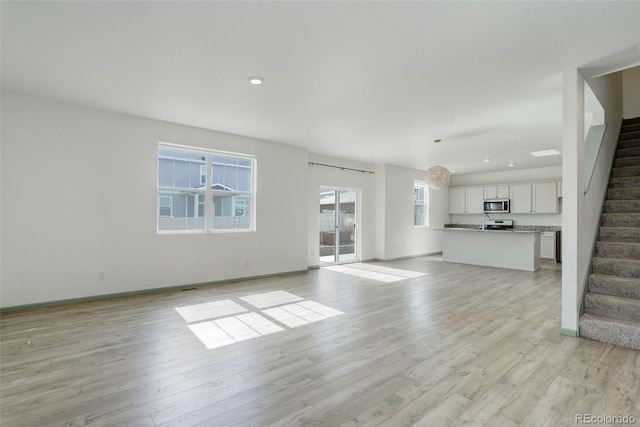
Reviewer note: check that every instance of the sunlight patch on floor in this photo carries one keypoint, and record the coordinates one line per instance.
(209, 310)
(279, 314)
(341, 258)
(375, 272)
(260, 324)
(388, 270)
(211, 335)
(270, 299)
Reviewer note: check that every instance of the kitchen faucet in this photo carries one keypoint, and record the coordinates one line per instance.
(486, 217)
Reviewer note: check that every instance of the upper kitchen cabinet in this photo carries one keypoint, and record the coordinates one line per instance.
(537, 197)
(545, 197)
(457, 200)
(475, 200)
(496, 192)
(466, 200)
(521, 198)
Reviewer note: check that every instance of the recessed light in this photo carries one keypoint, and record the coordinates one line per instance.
(511, 164)
(486, 160)
(453, 171)
(256, 80)
(543, 153)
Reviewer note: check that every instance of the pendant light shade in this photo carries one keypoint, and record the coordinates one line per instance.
(438, 177)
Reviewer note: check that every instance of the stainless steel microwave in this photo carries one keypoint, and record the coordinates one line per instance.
(496, 206)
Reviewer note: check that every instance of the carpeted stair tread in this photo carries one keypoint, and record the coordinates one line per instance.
(609, 330)
(612, 303)
(612, 306)
(622, 206)
(625, 182)
(627, 152)
(616, 267)
(620, 162)
(623, 194)
(632, 143)
(620, 234)
(626, 171)
(625, 287)
(631, 127)
(620, 219)
(629, 135)
(623, 250)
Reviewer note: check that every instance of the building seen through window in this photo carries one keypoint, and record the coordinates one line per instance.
(204, 190)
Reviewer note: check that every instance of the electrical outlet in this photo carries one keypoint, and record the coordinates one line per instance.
(102, 275)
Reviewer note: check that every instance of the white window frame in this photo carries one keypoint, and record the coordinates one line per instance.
(209, 193)
(240, 203)
(160, 198)
(203, 174)
(425, 205)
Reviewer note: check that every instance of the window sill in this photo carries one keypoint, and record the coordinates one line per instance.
(178, 232)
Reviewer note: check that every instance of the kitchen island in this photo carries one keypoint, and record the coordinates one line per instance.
(518, 250)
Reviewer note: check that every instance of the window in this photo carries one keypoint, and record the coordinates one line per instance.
(164, 206)
(241, 206)
(420, 205)
(201, 189)
(203, 174)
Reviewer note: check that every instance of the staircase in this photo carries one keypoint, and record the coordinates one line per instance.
(612, 305)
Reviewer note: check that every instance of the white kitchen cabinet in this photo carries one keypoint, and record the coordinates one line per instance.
(496, 192)
(545, 197)
(503, 191)
(457, 200)
(521, 198)
(548, 245)
(537, 197)
(466, 200)
(475, 200)
(559, 188)
(516, 250)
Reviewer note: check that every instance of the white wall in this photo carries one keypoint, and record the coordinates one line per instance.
(381, 207)
(401, 237)
(631, 92)
(553, 173)
(608, 90)
(79, 195)
(365, 183)
(573, 150)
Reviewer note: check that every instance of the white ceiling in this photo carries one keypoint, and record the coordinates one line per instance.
(370, 81)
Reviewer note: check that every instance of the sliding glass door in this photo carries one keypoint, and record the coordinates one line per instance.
(338, 231)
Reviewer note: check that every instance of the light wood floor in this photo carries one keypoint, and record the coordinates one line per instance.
(458, 345)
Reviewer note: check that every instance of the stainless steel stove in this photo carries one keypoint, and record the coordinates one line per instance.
(499, 224)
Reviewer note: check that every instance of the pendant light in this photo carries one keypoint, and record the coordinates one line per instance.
(437, 177)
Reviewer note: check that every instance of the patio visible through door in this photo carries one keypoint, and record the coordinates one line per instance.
(338, 231)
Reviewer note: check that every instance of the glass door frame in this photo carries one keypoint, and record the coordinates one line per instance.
(356, 227)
